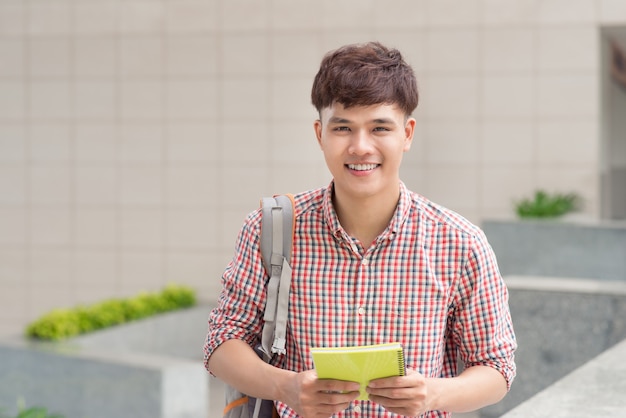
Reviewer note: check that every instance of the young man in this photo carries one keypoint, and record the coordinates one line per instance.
(372, 263)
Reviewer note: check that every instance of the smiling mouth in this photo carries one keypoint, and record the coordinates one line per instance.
(362, 167)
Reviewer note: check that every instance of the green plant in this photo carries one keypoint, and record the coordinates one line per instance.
(63, 323)
(34, 412)
(545, 205)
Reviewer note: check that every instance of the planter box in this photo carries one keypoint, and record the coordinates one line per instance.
(559, 248)
(145, 369)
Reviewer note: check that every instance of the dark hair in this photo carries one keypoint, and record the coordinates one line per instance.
(363, 75)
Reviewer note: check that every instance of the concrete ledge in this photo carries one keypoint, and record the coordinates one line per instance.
(597, 389)
(559, 248)
(560, 325)
(146, 369)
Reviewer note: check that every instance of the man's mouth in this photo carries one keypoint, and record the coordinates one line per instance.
(362, 167)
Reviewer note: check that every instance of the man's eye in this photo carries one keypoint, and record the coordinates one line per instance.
(341, 128)
(381, 129)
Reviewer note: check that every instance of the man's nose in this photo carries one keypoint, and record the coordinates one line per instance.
(360, 142)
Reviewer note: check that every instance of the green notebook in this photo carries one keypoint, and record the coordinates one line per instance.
(360, 363)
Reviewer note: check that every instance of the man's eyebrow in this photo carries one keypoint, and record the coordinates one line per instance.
(337, 119)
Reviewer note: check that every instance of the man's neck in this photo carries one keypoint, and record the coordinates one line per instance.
(365, 218)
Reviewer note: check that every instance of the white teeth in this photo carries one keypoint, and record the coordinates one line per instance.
(362, 167)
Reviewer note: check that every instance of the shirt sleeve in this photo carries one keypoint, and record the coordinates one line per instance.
(483, 326)
(239, 313)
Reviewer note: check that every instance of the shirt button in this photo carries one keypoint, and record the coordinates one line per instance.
(361, 310)
(365, 261)
(357, 409)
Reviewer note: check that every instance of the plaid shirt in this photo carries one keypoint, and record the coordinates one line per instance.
(430, 281)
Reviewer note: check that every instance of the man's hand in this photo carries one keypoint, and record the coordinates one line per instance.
(404, 395)
(311, 397)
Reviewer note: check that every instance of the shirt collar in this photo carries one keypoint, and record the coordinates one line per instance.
(397, 220)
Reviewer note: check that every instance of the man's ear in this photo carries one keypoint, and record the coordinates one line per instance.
(409, 130)
(317, 126)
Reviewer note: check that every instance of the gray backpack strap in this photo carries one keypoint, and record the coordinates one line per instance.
(276, 245)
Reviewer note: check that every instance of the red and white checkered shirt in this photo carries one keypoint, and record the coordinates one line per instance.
(430, 281)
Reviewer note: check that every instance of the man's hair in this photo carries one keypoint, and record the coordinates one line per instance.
(363, 75)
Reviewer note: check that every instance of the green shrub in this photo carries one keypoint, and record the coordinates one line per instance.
(545, 205)
(35, 412)
(63, 323)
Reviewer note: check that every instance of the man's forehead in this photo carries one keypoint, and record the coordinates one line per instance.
(383, 113)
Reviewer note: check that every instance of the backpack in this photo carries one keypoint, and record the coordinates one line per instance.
(278, 218)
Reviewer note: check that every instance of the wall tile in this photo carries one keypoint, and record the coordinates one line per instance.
(141, 143)
(96, 17)
(193, 142)
(12, 52)
(344, 14)
(507, 142)
(567, 95)
(447, 143)
(141, 16)
(141, 185)
(612, 11)
(49, 18)
(197, 269)
(191, 16)
(49, 57)
(50, 226)
(12, 143)
(245, 54)
(294, 143)
(94, 227)
(452, 50)
(13, 265)
(496, 189)
(95, 56)
(13, 229)
(509, 12)
(192, 100)
(191, 55)
(141, 56)
(191, 186)
(141, 100)
(404, 13)
(13, 184)
(508, 49)
(50, 184)
(453, 12)
(298, 177)
(50, 100)
(92, 268)
(249, 142)
(567, 48)
(12, 100)
(290, 15)
(508, 96)
(567, 142)
(245, 183)
(51, 267)
(294, 55)
(140, 270)
(242, 15)
(96, 185)
(95, 143)
(95, 100)
(50, 142)
(142, 229)
(190, 229)
(244, 97)
(567, 11)
(291, 101)
(452, 97)
(454, 186)
(12, 18)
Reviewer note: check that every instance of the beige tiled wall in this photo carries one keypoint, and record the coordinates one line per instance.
(136, 134)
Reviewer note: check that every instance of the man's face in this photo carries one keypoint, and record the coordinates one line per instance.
(363, 147)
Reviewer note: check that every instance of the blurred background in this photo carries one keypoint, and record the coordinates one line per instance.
(135, 135)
